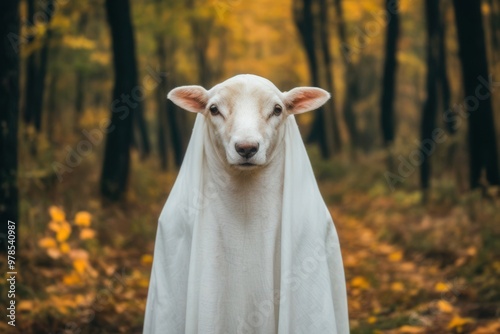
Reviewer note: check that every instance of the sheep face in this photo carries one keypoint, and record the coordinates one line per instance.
(245, 115)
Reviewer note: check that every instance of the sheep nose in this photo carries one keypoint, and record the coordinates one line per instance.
(247, 150)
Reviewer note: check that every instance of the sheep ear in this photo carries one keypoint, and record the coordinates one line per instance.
(190, 98)
(302, 99)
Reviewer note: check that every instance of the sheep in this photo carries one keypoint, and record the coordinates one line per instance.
(245, 243)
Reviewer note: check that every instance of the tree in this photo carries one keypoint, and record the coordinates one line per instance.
(201, 28)
(9, 100)
(125, 104)
(472, 53)
(37, 66)
(431, 103)
(312, 23)
(389, 73)
(350, 80)
(437, 86)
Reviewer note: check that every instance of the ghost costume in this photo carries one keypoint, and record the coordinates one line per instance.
(271, 264)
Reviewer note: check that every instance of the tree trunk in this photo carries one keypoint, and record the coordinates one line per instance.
(305, 22)
(389, 74)
(495, 29)
(472, 53)
(9, 100)
(161, 100)
(331, 131)
(31, 68)
(80, 77)
(430, 106)
(350, 81)
(201, 28)
(52, 111)
(443, 75)
(119, 138)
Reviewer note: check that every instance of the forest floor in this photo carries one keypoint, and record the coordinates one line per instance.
(410, 267)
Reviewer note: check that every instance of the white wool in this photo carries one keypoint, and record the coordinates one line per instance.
(254, 252)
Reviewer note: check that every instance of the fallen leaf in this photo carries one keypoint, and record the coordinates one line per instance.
(441, 287)
(54, 253)
(47, 243)
(396, 256)
(146, 259)
(444, 306)
(360, 283)
(64, 232)
(80, 265)
(410, 330)
(397, 286)
(458, 321)
(57, 214)
(87, 233)
(83, 218)
(64, 247)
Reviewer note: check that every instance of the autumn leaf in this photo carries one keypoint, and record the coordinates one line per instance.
(372, 320)
(80, 265)
(57, 214)
(441, 287)
(64, 232)
(87, 233)
(397, 286)
(71, 279)
(396, 256)
(47, 243)
(457, 322)
(54, 226)
(64, 248)
(54, 253)
(444, 306)
(360, 283)
(83, 218)
(410, 330)
(146, 259)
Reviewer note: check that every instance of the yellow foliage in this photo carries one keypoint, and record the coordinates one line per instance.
(57, 214)
(396, 256)
(78, 42)
(25, 305)
(54, 226)
(101, 58)
(397, 286)
(441, 287)
(54, 253)
(472, 251)
(143, 283)
(146, 259)
(372, 320)
(360, 283)
(72, 279)
(410, 330)
(457, 322)
(64, 247)
(80, 265)
(47, 243)
(444, 306)
(87, 233)
(83, 218)
(64, 232)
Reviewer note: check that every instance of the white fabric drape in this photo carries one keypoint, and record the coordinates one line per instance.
(214, 274)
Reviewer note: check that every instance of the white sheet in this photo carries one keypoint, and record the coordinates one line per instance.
(220, 269)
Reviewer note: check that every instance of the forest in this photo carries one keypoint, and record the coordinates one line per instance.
(405, 153)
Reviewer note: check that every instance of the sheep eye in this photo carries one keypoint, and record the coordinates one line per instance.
(277, 110)
(214, 110)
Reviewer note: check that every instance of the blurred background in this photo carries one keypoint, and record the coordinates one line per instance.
(406, 152)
